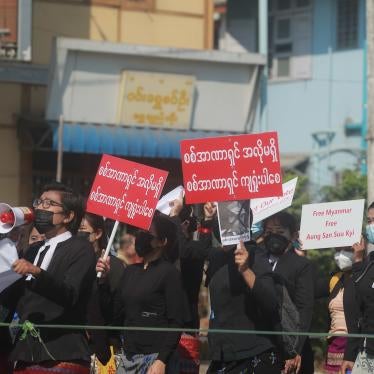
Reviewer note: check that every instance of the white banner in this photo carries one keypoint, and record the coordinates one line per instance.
(266, 207)
(163, 204)
(329, 225)
(8, 254)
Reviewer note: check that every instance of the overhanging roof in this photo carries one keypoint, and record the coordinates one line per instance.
(125, 141)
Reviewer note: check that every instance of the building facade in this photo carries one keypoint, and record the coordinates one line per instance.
(315, 91)
(23, 85)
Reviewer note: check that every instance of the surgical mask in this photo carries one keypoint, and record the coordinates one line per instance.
(344, 259)
(276, 244)
(143, 243)
(370, 233)
(256, 230)
(43, 221)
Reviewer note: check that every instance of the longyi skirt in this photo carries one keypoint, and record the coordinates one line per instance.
(53, 367)
(335, 354)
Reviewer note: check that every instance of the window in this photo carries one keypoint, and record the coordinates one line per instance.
(290, 39)
(302, 3)
(347, 24)
(283, 29)
(283, 4)
(15, 30)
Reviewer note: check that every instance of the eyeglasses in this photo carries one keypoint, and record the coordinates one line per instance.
(46, 203)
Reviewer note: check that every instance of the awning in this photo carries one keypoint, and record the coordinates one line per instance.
(125, 141)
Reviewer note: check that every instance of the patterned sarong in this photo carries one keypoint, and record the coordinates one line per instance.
(53, 367)
(335, 354)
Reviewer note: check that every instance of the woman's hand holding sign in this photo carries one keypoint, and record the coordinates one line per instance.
(210, 210)
(241, 260)
(103, 266)
(359, 250)
(241, 257)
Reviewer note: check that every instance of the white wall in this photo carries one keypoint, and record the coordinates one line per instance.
(85, 81)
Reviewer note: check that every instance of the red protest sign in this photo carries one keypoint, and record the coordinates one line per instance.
(236, 167)
(126, 191)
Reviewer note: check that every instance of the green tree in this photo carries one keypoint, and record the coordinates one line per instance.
(352, 186)
(301, 194)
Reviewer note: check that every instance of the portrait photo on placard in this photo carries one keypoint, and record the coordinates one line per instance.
(234, 221)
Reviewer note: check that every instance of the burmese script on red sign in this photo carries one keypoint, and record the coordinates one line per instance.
(126, 191)
(236, 167)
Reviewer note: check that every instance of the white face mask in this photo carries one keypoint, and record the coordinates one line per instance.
(344, 259)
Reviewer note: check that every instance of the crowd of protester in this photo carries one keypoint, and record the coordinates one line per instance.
(151, 286)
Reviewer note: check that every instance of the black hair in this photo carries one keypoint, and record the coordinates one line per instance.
(185, 213)
(97, 223)
(165, 229)
(285, 219)
(70, 201)
(371, 206)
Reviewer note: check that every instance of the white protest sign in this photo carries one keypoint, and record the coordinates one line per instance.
(163, 204)
(266, 207)
(8, 254)
(327, 225)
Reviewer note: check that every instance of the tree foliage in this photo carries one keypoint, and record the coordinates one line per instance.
(352, 186)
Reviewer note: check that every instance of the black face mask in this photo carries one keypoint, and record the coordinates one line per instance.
(143, 243)
(84, 234)
(36, 245)
(43, 221)
(276, 244)
(192, 227)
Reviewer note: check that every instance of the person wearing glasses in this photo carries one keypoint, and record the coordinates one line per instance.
(57, 285)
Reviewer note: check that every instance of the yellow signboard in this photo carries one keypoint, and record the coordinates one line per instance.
(155, 99)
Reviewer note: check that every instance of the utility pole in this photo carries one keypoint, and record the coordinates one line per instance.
(370, 98)
(263, 20)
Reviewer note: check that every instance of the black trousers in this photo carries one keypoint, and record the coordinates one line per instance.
(267, 362)
(307, 358)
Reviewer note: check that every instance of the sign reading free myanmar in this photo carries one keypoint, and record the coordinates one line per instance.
(328, 225)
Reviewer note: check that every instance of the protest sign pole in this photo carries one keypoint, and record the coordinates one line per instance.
(109, 245)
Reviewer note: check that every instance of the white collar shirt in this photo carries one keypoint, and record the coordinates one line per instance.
(52, 243)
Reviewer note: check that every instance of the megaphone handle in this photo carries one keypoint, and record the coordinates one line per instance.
(109, 245)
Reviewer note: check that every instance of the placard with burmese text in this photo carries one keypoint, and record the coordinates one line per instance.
(126, 191)
(235, 167)
(329, 225)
